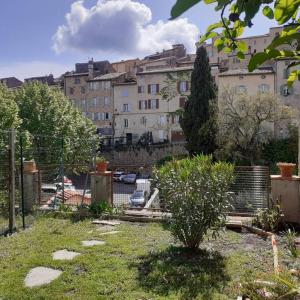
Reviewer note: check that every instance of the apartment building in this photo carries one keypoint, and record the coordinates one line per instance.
(140, 109)
(11, 82)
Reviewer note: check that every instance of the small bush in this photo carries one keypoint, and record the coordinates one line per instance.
(268, 218)
(195, 190)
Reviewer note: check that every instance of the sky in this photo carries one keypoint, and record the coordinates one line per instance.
(40, 37)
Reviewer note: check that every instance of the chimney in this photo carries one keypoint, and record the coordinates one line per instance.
(91, 69)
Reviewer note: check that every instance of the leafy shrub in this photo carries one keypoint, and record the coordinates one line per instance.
(99, 208)
(268, 218)
(196, 192)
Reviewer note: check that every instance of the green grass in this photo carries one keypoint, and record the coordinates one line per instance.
(141, 262)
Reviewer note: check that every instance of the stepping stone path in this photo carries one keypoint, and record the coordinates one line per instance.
(64, 255)
(40, 276)
(92, 243)
(104, 222)
(110, 232)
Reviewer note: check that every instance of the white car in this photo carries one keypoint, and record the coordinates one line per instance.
(138, 198)
(129, 178)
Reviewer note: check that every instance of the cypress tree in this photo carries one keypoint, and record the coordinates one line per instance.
(198, 119)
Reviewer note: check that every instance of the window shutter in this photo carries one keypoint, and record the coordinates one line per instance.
(187, 86)
(173, 119)
(149, 104)
(149, 89)
(181, 102)
(178, 86)
(291, 90)
(139, 89)
(140, 105)
(145, 104)
(157, 88)
(157, 104)
(129, 107)
(103, 116)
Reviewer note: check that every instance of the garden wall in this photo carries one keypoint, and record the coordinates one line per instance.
(144, 155)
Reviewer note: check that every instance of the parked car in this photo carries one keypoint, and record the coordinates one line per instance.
(138, 198)
(129, 178)
(67, 186)
(49, 188)
(118, 176)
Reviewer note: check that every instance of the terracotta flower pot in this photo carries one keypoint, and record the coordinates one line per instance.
(286, 169)
(29, 166)
(102, 166)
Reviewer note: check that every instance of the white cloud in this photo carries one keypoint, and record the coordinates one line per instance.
(28, 69)
(122, 27)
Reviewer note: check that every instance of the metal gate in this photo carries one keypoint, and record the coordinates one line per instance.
(251, 189)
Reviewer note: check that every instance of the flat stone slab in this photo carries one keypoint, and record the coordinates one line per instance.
(106, 222)
(92, 243)
(40, 276)
(110, 232)
(64, 254)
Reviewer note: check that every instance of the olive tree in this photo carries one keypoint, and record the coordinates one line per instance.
(196, 191)
(246, 123)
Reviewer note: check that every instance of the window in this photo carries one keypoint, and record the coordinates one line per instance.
(286, 73)
(83, 103)
(254, 42)
(162, 120)
(77, 80)
(153, 104)
(106, 101)
(94, 85)
(107, 116)
(153, 88)
(285, 90)
(125, 123)
(183, 86)
(106, 85)
(142, 104)
(182, 102)
(141, 89)
(241, 89)
(175, 119)
(71, 91)
(126, 107)
(95, 102)
(125, 93)
(143, 121)
(263, 88)
(82, 90)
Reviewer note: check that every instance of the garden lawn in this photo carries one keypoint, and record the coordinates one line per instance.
(140, 262)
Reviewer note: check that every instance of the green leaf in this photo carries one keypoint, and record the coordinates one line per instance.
(284, 38)
(207, 36)
(242, 46)
(285, 9)
(182, 6)
(251, 8)
(256, 60)
(240, 55)
(268, 12)
(210, 1)
(214, 26)
(292, 78)
(219, 44)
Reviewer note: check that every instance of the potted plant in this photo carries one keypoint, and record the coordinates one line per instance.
(101, 164)
(286, 169)
(29, 165)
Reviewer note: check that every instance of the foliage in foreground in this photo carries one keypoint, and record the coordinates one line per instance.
(195, 190)
(236, 15)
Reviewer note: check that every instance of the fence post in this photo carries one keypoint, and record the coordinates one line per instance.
(62, 170)
(12, 183)
(22, 180)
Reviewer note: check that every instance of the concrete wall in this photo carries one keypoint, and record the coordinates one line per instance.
(144, 156)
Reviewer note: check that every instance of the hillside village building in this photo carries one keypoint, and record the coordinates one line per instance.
(124, 98)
